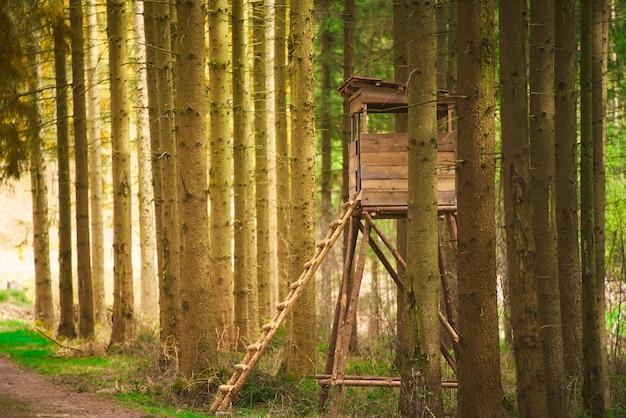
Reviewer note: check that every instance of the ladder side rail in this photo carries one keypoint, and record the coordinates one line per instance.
(227, 393)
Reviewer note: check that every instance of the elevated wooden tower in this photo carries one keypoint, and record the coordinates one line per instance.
(378, 170)
(378, 184)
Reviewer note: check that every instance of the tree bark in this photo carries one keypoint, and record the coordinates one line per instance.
(66, 326)
(198, 344)
(44, 305)
(521, 251)
(420, 393)
(221, 172)
(260, 139)
(566, 136)
(479, 342)
(95, 164)
(81, 157)
(123, 291)
(299, 350)
(542, 160)
(149, 302)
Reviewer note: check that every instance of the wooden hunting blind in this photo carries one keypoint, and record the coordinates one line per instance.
(378, 184)
(378, 165)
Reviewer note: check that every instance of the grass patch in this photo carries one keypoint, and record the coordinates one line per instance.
(14, 297)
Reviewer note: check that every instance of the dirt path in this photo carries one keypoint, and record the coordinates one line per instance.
(25, 394)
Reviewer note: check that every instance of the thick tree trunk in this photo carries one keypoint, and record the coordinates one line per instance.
(245, 240)
(81, 156)
(260, 138)
(196, 327)
(282, 148)
(421, 392)
(594, 391)
(326, 268)
(566, 136)
(123, 292)
(542, 154)
(299, 350)
(44, 305)
(401, 121)
(95, 164)
(479, 342)
(66, 288)
(220, 183)
(521, 252)
(149, 295)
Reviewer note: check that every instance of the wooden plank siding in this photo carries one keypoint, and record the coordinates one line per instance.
(379, 169)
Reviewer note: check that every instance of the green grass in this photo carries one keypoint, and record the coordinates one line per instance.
(129, 376)
(15, 297)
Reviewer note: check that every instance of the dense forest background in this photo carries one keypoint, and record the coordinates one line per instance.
(164, 171)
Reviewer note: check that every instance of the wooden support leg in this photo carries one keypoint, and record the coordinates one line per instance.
(340, 308)
(339, 368)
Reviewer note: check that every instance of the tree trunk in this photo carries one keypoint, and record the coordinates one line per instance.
(400, 36)
(66, 289)
(566, 136)
(521, 252)
(479, 343)
(220, 183)
(599, 58)
(326, 175)
(421, 392)
(594, 396)
(299, 350)
(123, 292)
(149, 302)
(260, 138)
(95, 163)
(81, 156)
(245, 240)
(282, 148)
(196, 327)
(44, 305)
(542, 154)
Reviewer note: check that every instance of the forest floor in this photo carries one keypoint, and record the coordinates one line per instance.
(25, 393)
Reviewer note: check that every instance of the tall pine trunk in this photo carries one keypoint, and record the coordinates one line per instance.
(149, 295)
(81, 156)
(566, 136)
(66, 288)
(421, 392)
(479, 342)
(220, 183)
(123, 329)
(521, 251)
(44, 305)
(196, 326)
(260, 138)
(542, 154)
(95, 164)
(299, 349)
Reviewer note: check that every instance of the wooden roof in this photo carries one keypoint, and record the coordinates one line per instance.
(374, 94)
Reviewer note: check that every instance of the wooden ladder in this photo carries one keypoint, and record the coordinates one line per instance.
(228, 391)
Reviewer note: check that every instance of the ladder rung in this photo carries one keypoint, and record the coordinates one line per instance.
(323, 243)
(296, 284)
(226, 388)
(254, 347)
(282, 305)
(268, 326)
(310, 263)
(241, 367)
(335, 223)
